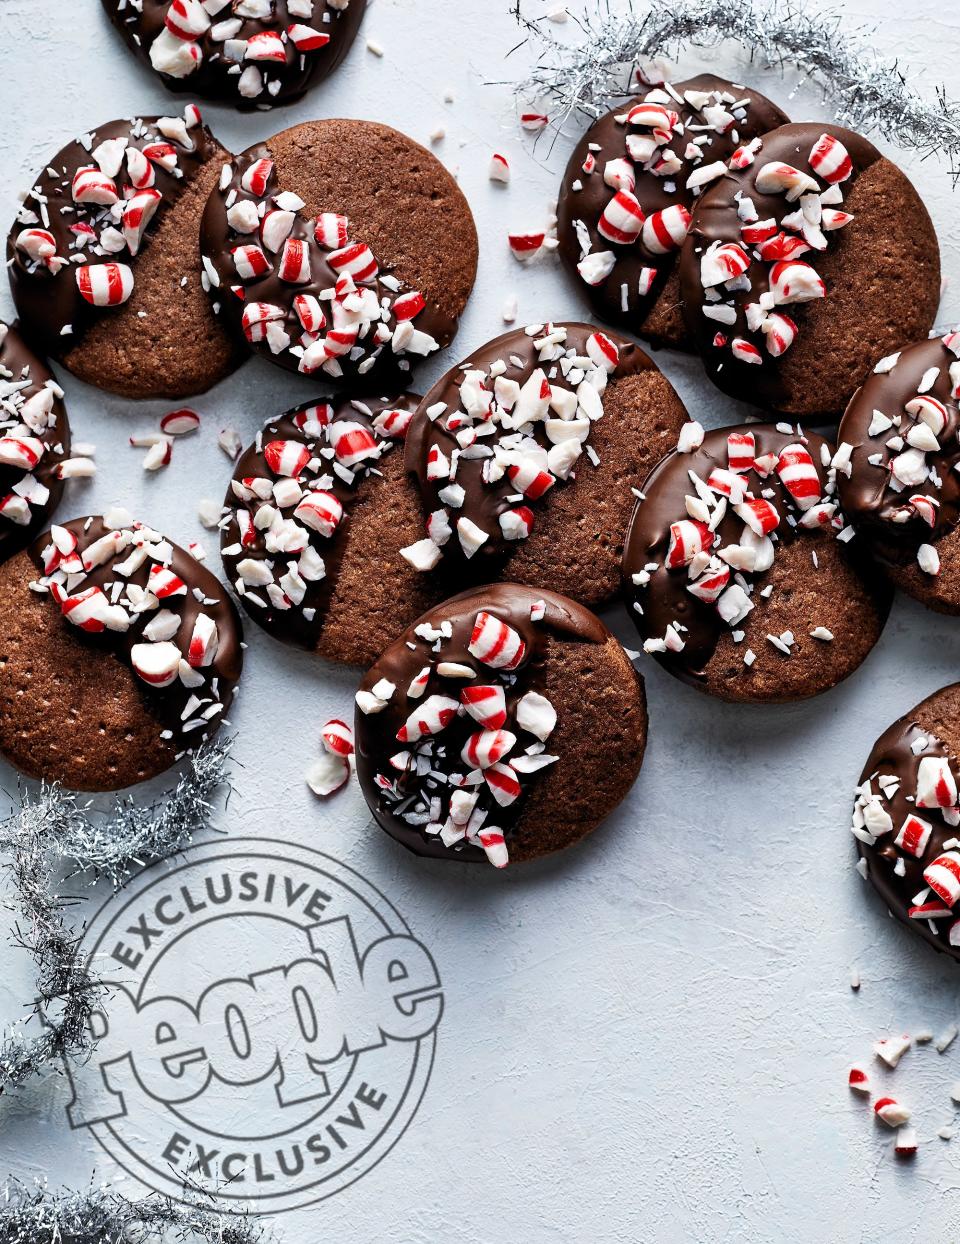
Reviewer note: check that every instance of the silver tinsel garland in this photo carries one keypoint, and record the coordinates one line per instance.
(867, 93)
(100, 1216)
(54, 833)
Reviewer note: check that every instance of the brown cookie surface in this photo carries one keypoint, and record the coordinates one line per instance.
(647, 151)
(34, 441)
(901, 488)
(738, 572)
(342, 248)
(120, 653)
(906, 818)
(253, 53)
(798, 272)
(317, 517)
(506, 724)
(104, 265)
(526, 453)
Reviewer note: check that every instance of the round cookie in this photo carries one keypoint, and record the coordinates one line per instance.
(121, 653)
(906, 821)
(630, 185)
(506, 724)
(526, 454)
(103, 259)
(738, 571)
(900, 487)
(317, 517)
(806, 266)
(34, 441)
(340, 247)
(250, 53)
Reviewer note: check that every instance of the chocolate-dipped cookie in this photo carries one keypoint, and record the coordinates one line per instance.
(104, 265)
(804, 266)
(34, 442)
(342, 248)
(739, 573)
(506, 724)
(628, 190)
(250, 53)
(121, 653)
(526, 453)
(317, 519)
(906, 819)
(899, 485)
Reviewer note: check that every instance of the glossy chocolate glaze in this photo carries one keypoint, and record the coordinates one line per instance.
(22, 372)
(869, 501)
(716, 219)
(166, 704)
(290, 625)
(651, 192)
(376, 733)
(48, 304)
(213, 78)
(484, 503)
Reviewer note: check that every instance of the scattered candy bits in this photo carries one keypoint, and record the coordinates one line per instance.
(331, 771)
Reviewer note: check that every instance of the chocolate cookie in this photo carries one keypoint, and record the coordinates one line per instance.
(316, 522)
(628, 190)
(738, 570)
(340, 247)
(906, 819)
(899, 485)
(805, 266)
(506, 724)
(251, 53)
(120, 653)
(34, 442)
(526, 453)
(103, 259)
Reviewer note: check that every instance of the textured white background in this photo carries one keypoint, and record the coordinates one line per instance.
(648, 1038)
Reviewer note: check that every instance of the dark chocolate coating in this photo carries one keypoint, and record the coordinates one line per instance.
(653, 194)
(571, 658)
(839, 591)
(869, 501)
(19, 364)
(213, 79)
(882, 279)
(937, 719)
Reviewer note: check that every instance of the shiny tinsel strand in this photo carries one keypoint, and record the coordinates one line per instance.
(53, 833)
(868, 93)
(101, 1216)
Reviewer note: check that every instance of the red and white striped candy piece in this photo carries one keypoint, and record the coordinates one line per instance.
(792, 280)
(603, 352)
(744, 351)
(530, 478)
(654, 117)
(353, 442)
(942, 875)
(87, 609)
(494, 846)
(393, 423)
(831, 218)
(727, 484)
(37, 244)
(928, 410)
(330, 231)
(256, 178)
(105, 284)
(775, 177)
(307, 38)
(618, 174)
(495, 643)
(337, 737)
(925, 507)
(759, 515)
(710, 585)
(859, 1079)
(356, 260)
(688, 537)
(138, 211)
(665, 230)
(157, 664)
(408, 306)
(534, 121)
(89, 185)
(503, 783)
(723, 263)
(830, 159)
(525, 245)
(499, 168)
(799, 475)
(265, 45)
(780, 333)
(180, 422)
(741, 448)
(204, 642)
(309, 312)
(782, 246)
(294, 262)
(250, 262)
(187, 19)
(140, 171)
(936, 787)
(433, 715)
(256, 316)
(914, 835)
(164, 583)
(286, 457)
(890, 1111)
(320, 511)
(22, 452)
(486, 747)
(622, 219)
(486, 704)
